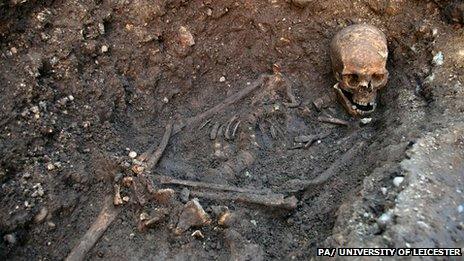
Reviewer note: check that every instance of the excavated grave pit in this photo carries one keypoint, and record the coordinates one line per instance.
(83, 83)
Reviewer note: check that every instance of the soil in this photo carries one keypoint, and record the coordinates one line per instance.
(84, 83)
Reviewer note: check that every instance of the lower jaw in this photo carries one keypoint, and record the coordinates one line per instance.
(349, 106)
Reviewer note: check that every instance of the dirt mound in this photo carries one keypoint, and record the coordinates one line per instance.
(86, 87)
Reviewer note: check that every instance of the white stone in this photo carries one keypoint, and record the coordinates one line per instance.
(397, 181)
(438, 59)
(384, 190)
(132, 154)
(366, 120)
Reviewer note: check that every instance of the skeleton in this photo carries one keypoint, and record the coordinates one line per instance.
(359, 56)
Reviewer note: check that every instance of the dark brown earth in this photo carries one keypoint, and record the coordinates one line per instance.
(83, 83)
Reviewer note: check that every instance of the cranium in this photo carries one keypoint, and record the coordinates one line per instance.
(359, 56)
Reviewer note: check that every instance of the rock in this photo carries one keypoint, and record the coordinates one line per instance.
(127, 181)
(384, 219)
(366, 120)
(186, 38)
(144, 216)
(384, 190)
(39, 191)
(50, 166)
(51, 225)
(222, 79)
(10, 238)
(184, 195)
(40, 217)
(132, 154)
(438, 59)
(104, 49)
(460, 208)
(397, 181)
(193, 215)
(137, 169)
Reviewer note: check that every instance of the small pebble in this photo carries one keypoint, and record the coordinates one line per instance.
(222, 79)
(366, 120)
(132, 154)
(397, 181)
(50, 166)
(35, 109)
(144, 216)
(184, 195)
(438, 59)
(254, 222)
(384, 190)
(104, 49)
(384, 219)
(460, 208)
(51, 224)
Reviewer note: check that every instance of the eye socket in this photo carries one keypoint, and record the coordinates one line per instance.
(351, 79)
(378, 77)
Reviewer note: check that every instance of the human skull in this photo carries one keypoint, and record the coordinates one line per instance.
(359, 56)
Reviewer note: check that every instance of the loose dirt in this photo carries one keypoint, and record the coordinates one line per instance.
(84, 83)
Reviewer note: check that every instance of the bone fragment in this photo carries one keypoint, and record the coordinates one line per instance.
(214, 131)
(296, 185)
(269, 200)
(117, 200)
(192, 215)
(99, 226)
(205, 185)
(332, 120)
(221, 106)
(227, 133)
